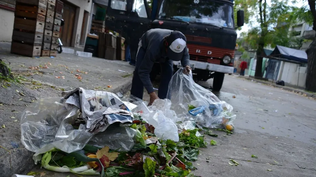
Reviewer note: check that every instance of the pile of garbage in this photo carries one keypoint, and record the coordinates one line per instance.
(91, 132)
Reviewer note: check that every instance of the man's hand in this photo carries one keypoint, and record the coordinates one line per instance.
(153, 97)
(187, 70)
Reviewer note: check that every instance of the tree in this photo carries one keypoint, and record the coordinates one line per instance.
(274, 19)
(311, 54)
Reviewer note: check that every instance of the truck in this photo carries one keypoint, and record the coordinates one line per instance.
(208, 25)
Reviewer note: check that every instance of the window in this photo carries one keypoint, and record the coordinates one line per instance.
(140, 8)
(119, 4)
(216, 13)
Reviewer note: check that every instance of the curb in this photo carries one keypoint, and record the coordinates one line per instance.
(287, 88)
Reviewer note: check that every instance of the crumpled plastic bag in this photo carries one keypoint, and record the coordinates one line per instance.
(116, 137)
(208, 110)
(160, 116)
(70, 122)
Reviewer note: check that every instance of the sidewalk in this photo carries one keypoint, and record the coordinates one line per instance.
(288, 88)
(48, 77)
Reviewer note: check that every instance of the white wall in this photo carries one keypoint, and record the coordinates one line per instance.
(293, 74)
(83, 5)
(6, 25)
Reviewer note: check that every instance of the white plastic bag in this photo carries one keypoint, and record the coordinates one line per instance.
(160, 116)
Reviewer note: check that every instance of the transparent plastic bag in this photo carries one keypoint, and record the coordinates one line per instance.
(208, 109)
(70, 122)
(115, 137)
(160, 116)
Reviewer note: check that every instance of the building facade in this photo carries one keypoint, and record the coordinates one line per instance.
(76, 15)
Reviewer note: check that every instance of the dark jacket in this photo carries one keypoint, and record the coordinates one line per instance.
(155, 52)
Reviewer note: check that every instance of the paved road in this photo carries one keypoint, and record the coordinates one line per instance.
(275, 125)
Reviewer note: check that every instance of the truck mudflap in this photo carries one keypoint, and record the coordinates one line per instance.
(208, 66)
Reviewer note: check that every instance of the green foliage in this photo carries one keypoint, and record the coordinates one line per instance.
(190, 107)
(5, 73)
(149, 167)
(189, 137)
(213, 143)
(273, 29)
(191, 154)
(176, 172)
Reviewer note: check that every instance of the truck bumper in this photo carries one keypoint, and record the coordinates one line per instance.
(208, 66)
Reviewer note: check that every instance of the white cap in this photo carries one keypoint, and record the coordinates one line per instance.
(177, 45)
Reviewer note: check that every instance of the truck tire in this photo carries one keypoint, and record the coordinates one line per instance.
(218, 81)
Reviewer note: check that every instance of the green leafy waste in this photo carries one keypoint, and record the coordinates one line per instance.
(149, 167)
(161, 158)
(213, 143)
(189, 137)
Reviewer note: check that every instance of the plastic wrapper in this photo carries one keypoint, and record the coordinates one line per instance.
(161, 117)
(70, 122)
(206, 108)
(115, 137)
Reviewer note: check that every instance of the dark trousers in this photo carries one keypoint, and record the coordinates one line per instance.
(242, 72)
(165, 73)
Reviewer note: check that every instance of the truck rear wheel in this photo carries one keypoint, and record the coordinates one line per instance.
(218, 81)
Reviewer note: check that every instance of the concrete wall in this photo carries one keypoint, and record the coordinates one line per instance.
(292, 74)
(6, 25)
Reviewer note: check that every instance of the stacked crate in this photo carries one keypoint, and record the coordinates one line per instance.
(97, 26)
(48, 31)
(28, 27)
(56, 26)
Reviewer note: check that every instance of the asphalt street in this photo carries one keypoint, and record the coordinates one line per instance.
(275, 129)
(275, 133)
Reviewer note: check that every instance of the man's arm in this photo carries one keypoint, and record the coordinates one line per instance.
(144, 70)
(185, 61)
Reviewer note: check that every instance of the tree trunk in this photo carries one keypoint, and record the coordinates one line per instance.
(258, 73)
(311, 67)
(311, 55)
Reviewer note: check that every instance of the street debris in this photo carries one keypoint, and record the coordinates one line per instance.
(213, 143)
(90, 132)
(233, 162)
(254, 156)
